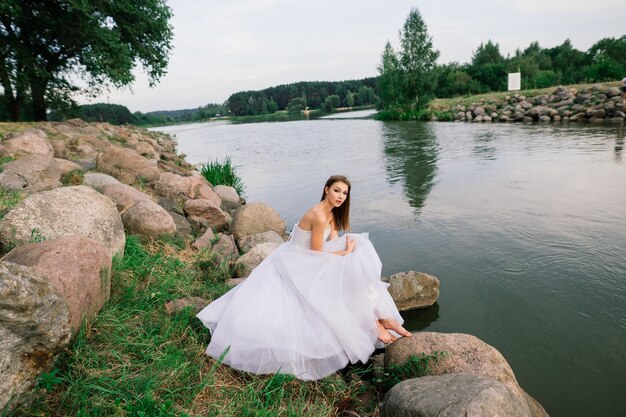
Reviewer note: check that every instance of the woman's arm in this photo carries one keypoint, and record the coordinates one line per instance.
(317, 238)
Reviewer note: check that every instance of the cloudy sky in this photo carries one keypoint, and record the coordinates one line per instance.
(225, 46)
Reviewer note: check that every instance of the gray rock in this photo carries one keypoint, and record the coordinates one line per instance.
(196, 304)
(256, 218)
(252, 259)
(180, 188)
(229, 196)
(87, 163)
(59, 148)
(183, 228)
(208, 210)
(66, 166)
(451, 396)
(97, 180)
(127, 166)
(34, 328)
(32, 173)
(411, 290)
(205, 241)
(544, 119)
(170, 205)
(248, 242)
(78, 267)
(65, 211)
(198, 224)
(148, 219)
(465, 354)
(225, 248)
(478, 111)
(124, 196)
(29, 142)
(613, 92)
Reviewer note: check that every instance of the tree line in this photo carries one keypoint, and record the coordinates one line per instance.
(118, 115)
(409, 77)
(325, 95)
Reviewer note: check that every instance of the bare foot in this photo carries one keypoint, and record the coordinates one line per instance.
(391, 324)
(383, 335)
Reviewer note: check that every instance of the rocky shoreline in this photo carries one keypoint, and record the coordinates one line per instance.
(72, 193)
(595, 104)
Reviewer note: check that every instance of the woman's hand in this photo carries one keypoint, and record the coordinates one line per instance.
(350, 244)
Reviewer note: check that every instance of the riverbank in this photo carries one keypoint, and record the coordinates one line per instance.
(583, 103)
(143, 352)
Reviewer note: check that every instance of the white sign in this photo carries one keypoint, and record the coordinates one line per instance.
(515, 81)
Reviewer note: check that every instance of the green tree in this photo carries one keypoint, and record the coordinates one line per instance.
(349, 99)
(417, 61)
(488, 67)
(608, 59)
(390, 78)
(47, 44)
(331, 103)
(296, 105)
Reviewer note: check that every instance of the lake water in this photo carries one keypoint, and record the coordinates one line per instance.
(525, 226)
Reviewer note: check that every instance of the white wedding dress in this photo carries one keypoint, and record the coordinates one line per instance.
(303, 312)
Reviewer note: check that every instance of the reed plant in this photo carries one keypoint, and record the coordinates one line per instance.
(222, 173)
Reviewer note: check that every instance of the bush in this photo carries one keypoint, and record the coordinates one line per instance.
(222, 173)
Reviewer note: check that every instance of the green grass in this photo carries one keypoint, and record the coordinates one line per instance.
(222, 173)
(8, 200)
(445, 103)
(135, 360)
(75, 177)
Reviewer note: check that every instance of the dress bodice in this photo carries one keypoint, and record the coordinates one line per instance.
(303, 237)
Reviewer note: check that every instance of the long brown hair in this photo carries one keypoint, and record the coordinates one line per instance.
(341, 214)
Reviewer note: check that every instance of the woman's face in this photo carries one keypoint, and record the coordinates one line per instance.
(337, 193)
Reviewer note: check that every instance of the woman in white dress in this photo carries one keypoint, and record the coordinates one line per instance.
(313, 305)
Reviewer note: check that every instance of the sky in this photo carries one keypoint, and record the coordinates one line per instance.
(221, 47)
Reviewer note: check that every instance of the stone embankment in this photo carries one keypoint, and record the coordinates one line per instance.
(71, 192)
(595, 104)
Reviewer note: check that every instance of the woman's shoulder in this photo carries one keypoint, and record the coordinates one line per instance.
(314, 216)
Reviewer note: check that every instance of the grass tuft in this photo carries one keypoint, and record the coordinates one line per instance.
(222, 173)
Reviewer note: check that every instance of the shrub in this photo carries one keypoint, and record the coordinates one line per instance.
(222, 173)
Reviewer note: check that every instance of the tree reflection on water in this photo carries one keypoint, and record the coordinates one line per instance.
(411, 154)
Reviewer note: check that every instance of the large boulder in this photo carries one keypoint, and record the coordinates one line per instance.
(64, 211)
(252, 259)
(246, 243)
(124, 196)
(59, 148)
(66, 166)
(78, 267)
(229, 196)
(208, 210)
(452, 395)
(127, 166)
(465, 354)
(225, 248)
(256, 218)
(147, 218)
(411, 290)
(29, 142)
(34, 327)
(205, 241)
(179, 188)
(98, 180)
(31, 173)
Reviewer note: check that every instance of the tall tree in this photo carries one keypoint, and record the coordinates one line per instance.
(488, 66)
(390, 78)
(47, 44)
(417, 60)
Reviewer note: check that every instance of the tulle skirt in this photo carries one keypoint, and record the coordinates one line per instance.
(302, 312)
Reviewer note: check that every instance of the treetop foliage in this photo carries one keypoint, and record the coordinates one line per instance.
(45, 45)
